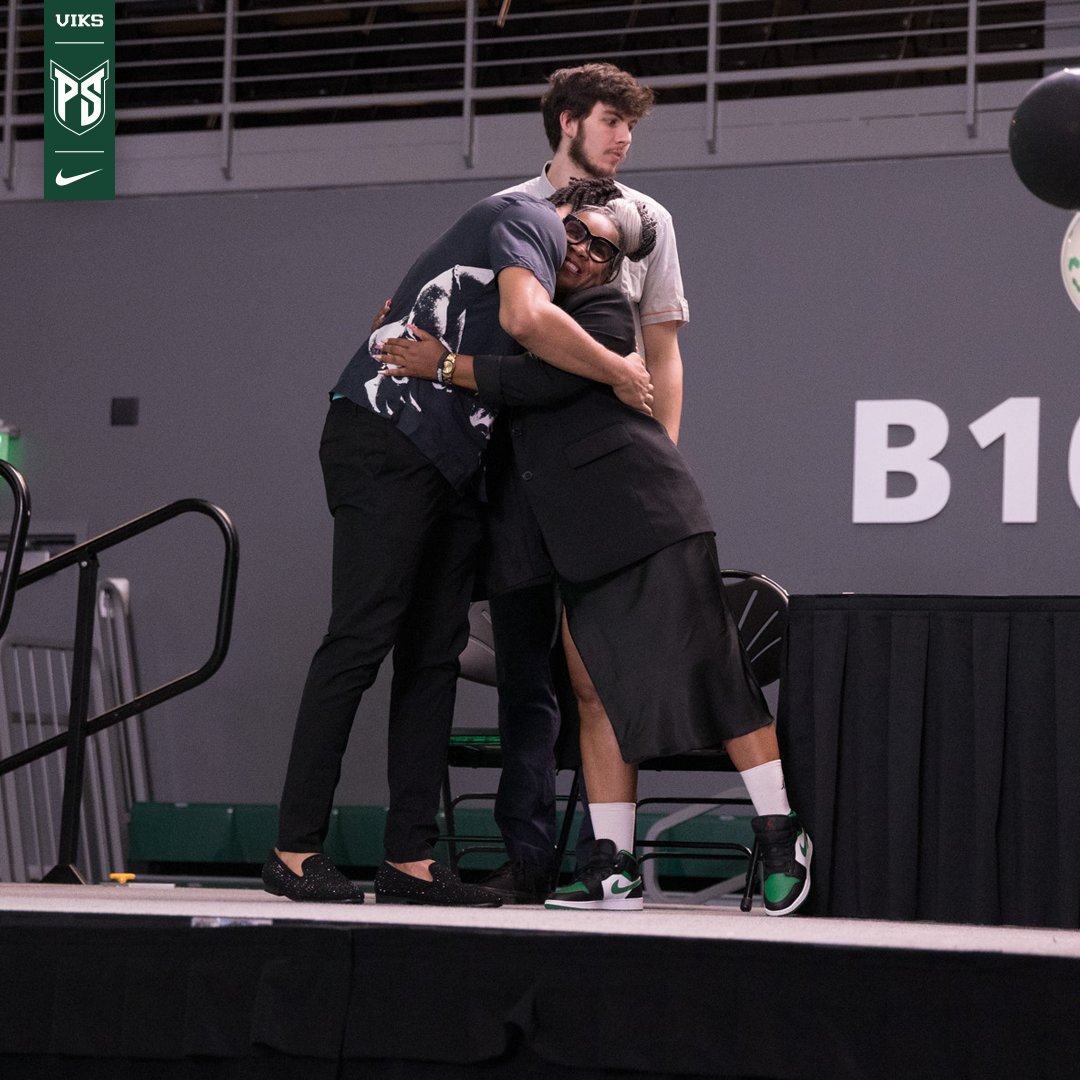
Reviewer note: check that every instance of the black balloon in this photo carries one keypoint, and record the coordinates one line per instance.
(1044, 139)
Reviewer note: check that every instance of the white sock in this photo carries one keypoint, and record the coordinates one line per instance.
(765, 785)
(614, 821)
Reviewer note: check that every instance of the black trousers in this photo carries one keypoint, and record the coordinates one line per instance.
(405, 544)
(537, 724)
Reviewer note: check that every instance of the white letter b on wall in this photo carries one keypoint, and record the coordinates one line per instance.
(875, 459)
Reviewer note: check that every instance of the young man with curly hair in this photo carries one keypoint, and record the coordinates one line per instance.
(589, 115)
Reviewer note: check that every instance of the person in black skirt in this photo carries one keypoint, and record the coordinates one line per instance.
(402, 461)
(594, 493)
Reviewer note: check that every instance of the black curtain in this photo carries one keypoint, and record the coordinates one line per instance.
(932, 746)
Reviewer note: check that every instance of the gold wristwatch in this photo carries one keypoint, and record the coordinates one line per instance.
(446, 367)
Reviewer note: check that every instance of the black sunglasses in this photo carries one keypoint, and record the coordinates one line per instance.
(599, 248)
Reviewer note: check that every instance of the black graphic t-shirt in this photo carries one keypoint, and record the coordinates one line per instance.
(451, 292)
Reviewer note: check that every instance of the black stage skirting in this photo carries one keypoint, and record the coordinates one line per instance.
(114, 997)
(932, 745)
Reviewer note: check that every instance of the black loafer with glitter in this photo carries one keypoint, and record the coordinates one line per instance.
(393, 886)
(321, 883)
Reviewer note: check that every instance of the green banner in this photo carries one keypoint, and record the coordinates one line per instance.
(80, 128)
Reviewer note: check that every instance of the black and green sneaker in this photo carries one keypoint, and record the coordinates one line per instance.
(610, 881)
(785, 856)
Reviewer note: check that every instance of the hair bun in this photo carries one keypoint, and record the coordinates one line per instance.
(637, 225)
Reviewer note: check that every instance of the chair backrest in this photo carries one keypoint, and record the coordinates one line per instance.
(478, 657)
(758, 604)
(760, 608)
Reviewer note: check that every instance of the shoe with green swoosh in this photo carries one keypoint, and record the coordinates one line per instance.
(610, 881)
(786, 851)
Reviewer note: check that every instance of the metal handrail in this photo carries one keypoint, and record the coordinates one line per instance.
(80, 727)
(89, 550)
(20, 525)
(8, 126)
(239, 43)
(280, 61)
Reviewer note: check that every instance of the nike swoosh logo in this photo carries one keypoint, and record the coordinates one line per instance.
(63, 181)
(802, 845)
(630, 885)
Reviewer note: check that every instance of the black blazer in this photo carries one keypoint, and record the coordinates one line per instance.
(603, 482)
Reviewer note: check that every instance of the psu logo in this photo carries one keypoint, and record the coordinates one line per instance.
(73, 21)
(88, 90)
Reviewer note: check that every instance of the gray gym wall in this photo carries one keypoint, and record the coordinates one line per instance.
(811, 287)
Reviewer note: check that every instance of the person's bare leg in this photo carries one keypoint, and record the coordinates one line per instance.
(608, 778)
(755, 748)
(294, 860)
(610, 879)
(420, 868)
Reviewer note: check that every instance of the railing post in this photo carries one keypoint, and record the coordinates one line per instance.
(228, 78)
(9, 95)
(65, 871)
(1061, 30)
(712, 65)
(89, 550)
(971, 73)
(20, 524)
(468, 108)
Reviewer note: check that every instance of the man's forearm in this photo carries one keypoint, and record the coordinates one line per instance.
(555, 337)
(664, 361)
(527, 314)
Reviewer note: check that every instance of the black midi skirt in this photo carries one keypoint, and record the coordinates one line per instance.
(661, 646)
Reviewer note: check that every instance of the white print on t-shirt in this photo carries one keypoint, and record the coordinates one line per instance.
(441, 308)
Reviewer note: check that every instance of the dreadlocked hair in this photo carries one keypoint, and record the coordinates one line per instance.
(585, 192)
(636, 226)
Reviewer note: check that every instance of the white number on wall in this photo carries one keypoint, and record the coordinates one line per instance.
(1015, 421)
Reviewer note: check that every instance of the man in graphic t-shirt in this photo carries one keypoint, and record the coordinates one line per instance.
(401, 460)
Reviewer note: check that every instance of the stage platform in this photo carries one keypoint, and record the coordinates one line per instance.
(161, 982)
